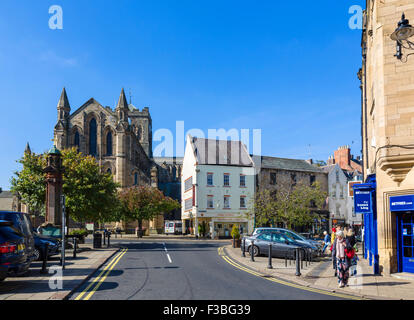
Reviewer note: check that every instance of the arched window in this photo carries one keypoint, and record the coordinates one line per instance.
(77, 141)
(92, 137)
(109, 171)
(109, 144)
(135, 179)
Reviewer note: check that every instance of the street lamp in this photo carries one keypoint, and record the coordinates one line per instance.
(401, 35)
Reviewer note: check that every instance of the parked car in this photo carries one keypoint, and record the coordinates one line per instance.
(282, 244)
(21, 222)
(40, 246)
(291, 234)
(13, 253)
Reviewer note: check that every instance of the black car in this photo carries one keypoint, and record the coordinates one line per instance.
(13, 253)
(21, 222)
(40, 246)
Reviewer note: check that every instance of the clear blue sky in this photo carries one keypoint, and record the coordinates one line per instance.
(286, 67)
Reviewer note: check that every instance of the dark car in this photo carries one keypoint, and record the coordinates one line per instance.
(21, 222)
(40, 246)
(13, 253)
(282, 245)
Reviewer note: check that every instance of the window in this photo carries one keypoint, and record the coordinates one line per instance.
(273, 178)
(226, 180)
(242, 180)
(210, 202)
(109, 144)
(312, 180)
(92, 137)
(265, 237)
(188, 184)
(293, 177)
(77, 141)
(226, 202)
(209, 179)
(242, 202)
(342, 192)
(135, 179)
(109, 171)
(337, 176)
(188, 204)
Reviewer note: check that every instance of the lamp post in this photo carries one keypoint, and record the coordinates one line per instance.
(402, 35)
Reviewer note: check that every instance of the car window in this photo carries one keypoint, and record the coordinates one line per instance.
(293, 235)
(265, 237)
(27, 225)
(8, 232)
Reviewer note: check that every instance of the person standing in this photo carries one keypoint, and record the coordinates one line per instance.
(333, 248)
(341, 259)
(351, 247)
(326, 240)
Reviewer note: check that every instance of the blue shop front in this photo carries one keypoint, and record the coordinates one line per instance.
(365, 204)
(403, 207)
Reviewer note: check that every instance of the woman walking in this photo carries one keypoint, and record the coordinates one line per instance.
(341, 259)
(351, 249)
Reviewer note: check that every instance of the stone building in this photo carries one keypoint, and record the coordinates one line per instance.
(120, 140)
(275, 173)
(387, 85)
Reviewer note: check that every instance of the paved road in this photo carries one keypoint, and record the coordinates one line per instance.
(177, 270)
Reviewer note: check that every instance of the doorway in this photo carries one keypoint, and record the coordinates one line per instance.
(405, 235)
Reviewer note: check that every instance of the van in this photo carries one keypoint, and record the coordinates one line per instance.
(22, 223)
(173, 227)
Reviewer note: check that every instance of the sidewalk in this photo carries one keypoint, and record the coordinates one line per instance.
(35, 286)
(320, 275)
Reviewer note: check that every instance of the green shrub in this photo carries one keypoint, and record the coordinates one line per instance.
(235, 233)
(79, 232)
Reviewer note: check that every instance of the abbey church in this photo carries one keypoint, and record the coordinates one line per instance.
(121, 141)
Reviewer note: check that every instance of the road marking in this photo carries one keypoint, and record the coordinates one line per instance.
(168, 255)
(104, 277)
(240, 267)
(99, 276)
(169, 258)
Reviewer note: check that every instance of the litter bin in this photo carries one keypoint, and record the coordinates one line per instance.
(97, 240)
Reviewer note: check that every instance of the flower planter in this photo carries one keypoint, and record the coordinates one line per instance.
(236, 243)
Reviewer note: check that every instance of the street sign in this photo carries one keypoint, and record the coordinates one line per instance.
(362, 201)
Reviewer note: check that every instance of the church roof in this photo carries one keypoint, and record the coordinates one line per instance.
(122, 102)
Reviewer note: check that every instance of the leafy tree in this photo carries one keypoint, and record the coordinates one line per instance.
(235, 232)
(144, 203)
(30, 183)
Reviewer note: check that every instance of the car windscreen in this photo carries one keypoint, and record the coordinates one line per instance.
(294, 236)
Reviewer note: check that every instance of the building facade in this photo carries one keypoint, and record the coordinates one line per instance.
(217, 186)
(387, 86)
(276, 173)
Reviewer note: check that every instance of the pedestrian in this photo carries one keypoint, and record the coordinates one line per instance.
(327, 240)
(351, 246)
(333, 246)
(342, 261)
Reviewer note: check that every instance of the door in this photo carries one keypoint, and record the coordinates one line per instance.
(406, 242)
(280, 248)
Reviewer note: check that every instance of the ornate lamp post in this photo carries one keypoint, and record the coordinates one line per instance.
(54, 184)
(401, 35)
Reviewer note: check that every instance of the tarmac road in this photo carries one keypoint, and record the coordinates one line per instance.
(182, 270)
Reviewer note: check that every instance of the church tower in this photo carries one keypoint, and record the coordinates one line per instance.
(122, 133)
(62, 126)
(142, 124)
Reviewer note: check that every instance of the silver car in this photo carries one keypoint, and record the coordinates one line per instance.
(282, 245)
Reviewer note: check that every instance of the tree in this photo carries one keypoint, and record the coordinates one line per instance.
(144, 203)
(30, 182)
(90, 194)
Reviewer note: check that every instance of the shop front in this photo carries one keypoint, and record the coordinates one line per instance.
(403, 207)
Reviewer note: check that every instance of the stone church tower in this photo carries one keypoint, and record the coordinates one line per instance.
(120, 140)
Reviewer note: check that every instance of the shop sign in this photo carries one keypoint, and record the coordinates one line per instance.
(362, 201)
(402, 203)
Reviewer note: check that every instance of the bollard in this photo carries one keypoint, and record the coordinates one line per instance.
(45, 256)
(302, 256)
(286, 258)
(74, 247)
(297, 263)
(269, 266)
(252, 251)
(306, 259)
(109, 241)
(104, 236)
(234, 241)
(244, 248)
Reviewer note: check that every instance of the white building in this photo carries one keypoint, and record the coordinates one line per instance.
(341, 200)
(218, 183)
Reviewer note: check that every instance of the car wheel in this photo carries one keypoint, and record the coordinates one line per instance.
(256, 251)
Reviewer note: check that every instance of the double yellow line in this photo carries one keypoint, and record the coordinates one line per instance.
(240, 267)
(101, 277)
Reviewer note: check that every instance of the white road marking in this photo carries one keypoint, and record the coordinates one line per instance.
(169, 258)
(168, 255)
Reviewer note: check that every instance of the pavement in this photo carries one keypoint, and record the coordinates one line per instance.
(320, 275)
(37, 286)
(151, 269)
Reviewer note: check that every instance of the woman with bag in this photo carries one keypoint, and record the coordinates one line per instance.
(351, 251)
(342, 260)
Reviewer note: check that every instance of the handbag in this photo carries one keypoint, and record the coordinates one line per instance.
(350, 253)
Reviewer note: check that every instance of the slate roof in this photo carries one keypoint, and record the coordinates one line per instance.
(287, 164)
(6, 194)
(221, 152)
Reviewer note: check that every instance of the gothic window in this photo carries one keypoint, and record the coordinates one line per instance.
(109, 171)
(109, 144)
(93, 137)
(135, 179)
(77, 140)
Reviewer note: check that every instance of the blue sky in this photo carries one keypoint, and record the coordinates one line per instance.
(288, 68)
